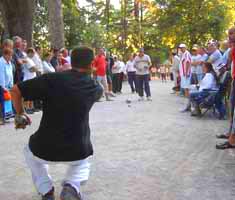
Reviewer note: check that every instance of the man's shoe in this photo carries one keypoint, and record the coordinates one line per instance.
(50, 195)
(149, 99)
(112, 95)
(69, 193)
(141, 99)
(185, 110)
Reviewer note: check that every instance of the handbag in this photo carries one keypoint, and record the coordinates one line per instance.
(6, 95)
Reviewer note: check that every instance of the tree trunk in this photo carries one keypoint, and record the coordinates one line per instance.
(18, 18)
(56, 23)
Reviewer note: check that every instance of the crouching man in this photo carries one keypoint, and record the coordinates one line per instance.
(64, 133)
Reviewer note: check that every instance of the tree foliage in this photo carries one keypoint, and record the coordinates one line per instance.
(157, 25)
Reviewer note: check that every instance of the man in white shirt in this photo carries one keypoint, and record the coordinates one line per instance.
(38, 61)
(131, 72)
(215, 57)
(142, 65)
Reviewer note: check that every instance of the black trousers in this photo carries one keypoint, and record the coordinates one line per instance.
(115, 81)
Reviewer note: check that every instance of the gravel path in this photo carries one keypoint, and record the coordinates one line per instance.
(147, 150)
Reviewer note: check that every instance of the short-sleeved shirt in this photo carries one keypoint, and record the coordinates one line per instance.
(215, 59)
(195, 58)
(26, 69)
(100, 65)
(64, 132)
(142, 64)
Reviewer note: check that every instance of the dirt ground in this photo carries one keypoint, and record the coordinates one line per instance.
(147, 150)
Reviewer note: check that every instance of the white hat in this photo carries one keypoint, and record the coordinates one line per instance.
(182, 46)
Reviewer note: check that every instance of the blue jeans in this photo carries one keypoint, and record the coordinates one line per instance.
(198, 96)
(143, 85)
(132, 80)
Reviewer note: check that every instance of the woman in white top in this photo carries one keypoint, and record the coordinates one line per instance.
(47, 66)
(208, 83)
(131, 73)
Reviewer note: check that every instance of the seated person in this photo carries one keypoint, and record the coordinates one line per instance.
(208, 83)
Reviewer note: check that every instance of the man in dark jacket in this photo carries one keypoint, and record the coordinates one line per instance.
(64, 132)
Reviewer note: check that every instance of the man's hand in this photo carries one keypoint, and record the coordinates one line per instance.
(21, 121)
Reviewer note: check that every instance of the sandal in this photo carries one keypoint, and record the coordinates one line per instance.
(222, 136)
(225, 145)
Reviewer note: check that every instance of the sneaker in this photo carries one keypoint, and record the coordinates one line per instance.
(149, 99)
(141, 99)
(112, 95)
(50, 195)
(185, 110)
(69, 193)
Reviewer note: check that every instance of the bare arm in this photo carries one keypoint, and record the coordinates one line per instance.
(17, 100)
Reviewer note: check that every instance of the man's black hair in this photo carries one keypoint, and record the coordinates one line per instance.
(82, 57)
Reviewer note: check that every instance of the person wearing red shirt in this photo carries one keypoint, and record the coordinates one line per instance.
(99, 66)
(231, 133)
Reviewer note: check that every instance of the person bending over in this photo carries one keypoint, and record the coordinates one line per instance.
(64, 133)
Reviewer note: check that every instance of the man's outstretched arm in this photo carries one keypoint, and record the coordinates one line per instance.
(17, 100)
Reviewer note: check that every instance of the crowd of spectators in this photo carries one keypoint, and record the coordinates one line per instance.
(19, 63)
(206, 77)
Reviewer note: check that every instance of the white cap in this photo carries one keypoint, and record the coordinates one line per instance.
(182, 46)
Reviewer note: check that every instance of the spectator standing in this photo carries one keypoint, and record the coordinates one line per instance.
(116, 74)
(6, 83)
(18, 59)
(131, 73)
(175, 67)
(142, 65)
(47, 66)
(54, 59)
(185, 69)
(63, 64)
(215, 56)
(203, 58)
(38, 61)
(230, 135)
(66, 55)
(194, 66)
(225, 57)
(109, 62)
(30, 70)
(100, 66)
(122, 74)
(163, 73)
